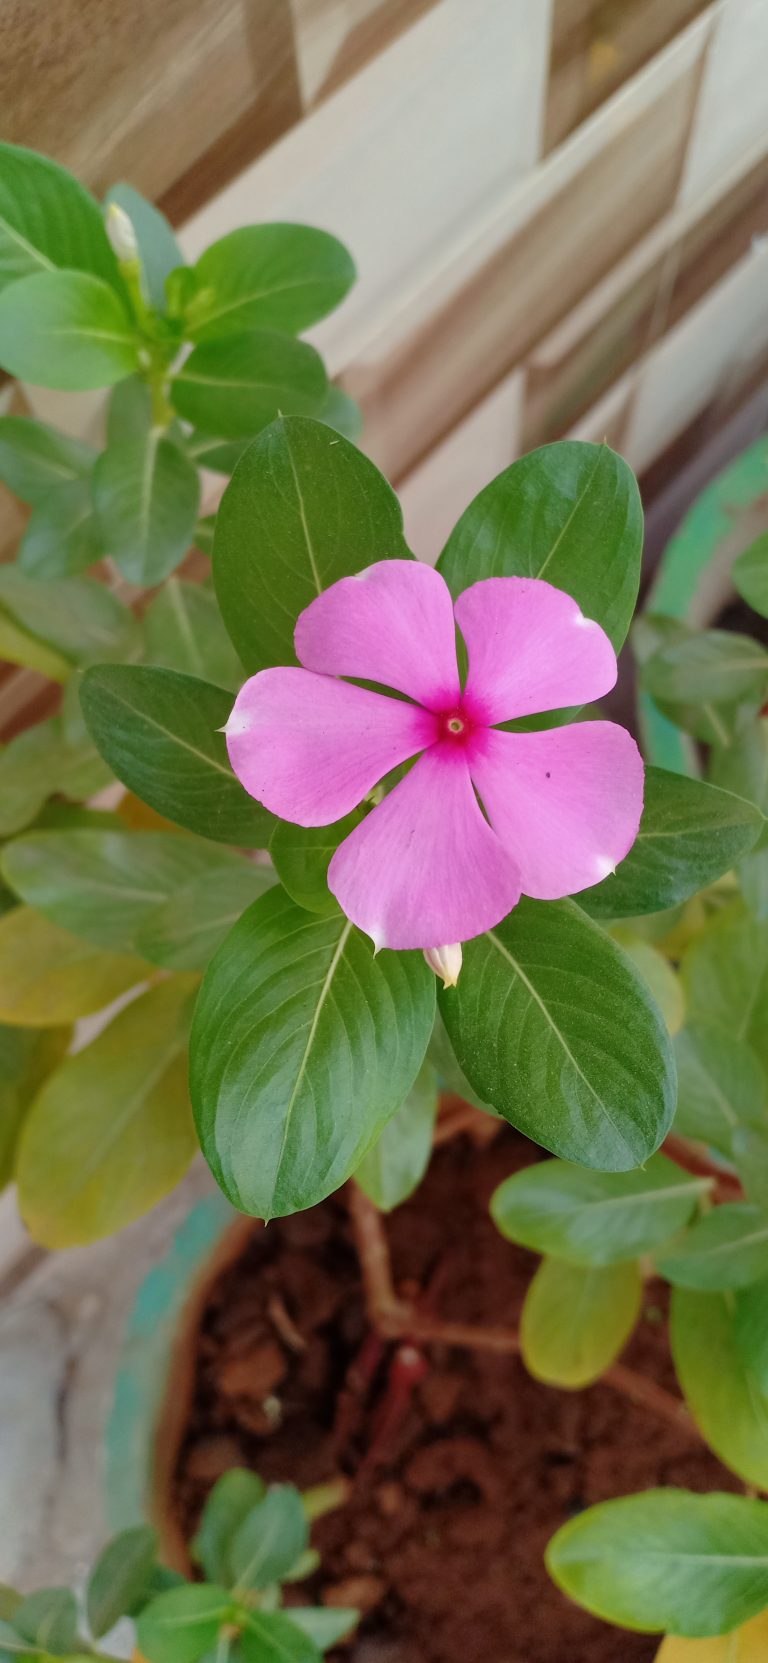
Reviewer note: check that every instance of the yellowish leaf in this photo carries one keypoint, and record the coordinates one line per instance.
(49, 977)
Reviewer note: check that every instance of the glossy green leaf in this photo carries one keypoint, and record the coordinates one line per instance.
(442, 1056)
(727, 1248)
(725, 976)
(711, 683)
(40, 761)
(146, 493)
(304, 508)
(35, 459)
(720, 1085)
(229, 1503)
(105, 885)
(235, 386)
(750, 575)
(325, 1624)
(63, 536)
(576, 1319)
(690, 833)
(120, 1578)
(723, 1393)
(272, 1637)
(552, 1025)
(111, 1131)
(281, 277)
(181, 1625)
(183, 631)
(66, 329)
(750, 1157)
(187, 929)
(161, 734)
(49, 977)
(159, 251)
(47, 219)
(303, 1046)
(666, 1559)
(394, 1167)
(596, 1218)
(569, 513)
(270, 1539)
(77, 616)
(302, 855)
(48, 1619)
(27, 1056)
(750, 1332)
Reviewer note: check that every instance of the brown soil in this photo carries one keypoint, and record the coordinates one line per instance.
(461, 1481)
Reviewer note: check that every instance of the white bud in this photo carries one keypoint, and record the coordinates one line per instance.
(121, 234)
(446, 962)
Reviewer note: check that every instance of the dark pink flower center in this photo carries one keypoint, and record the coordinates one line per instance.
(455, 725)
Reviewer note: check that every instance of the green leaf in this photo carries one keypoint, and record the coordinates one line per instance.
(728, 1248)
(229, 1503)
(63, 536)
(666, 1559)
(77, 616)
(575, 1320)
(47, 219)
(569, 513)
(750, 1332)
(394, 1167)
(720, 1388)
(161, 734)
(750, 1156)
(66, 329)
(712, 683)
(341, 413)
(183, 631)
(303, 509)
(720, 1083)
(325, 1624)
(182, 1624)
(17, 646)
(743, 768)
(281, 277)
(49, 977)
(204, 530)
(750, 575)
(234, 387)
(35, 459)
(111, 1132)
(147, 494)
(10, 1600)
(552, 1024)
(441, 1054)
(272, 1637)
(303, 1046)
(48, 1618)
(221, 455)
(159, 251)
(302, 855)
(270, 1539)
(657, 973)
(105, 885)
(187, 929)
(40, 761)
(690, 833)
(120, 1578)
(27, 1056)
(596, 1218)
(129, 411)
(725, 976)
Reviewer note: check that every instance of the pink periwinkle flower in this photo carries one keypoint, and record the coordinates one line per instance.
(483, 816)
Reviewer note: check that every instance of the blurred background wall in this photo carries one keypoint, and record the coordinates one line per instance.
(558, 208)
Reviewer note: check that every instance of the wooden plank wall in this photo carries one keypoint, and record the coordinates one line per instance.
(558, 210)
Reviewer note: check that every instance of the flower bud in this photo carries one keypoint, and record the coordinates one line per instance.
(121, 234)
(446, 962)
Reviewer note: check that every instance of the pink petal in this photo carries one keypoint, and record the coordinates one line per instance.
(566, 803)
(392, 623)
(310, 748)
(530, 649)
(425, 868)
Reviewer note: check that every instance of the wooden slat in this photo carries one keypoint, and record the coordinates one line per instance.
(597, 45)
(731, 113)
(335, 38)
(436, 493)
